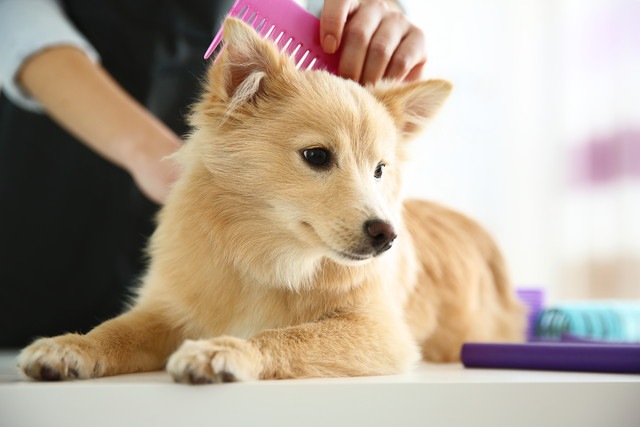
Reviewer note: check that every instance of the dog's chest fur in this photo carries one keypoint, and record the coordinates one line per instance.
(231, 307)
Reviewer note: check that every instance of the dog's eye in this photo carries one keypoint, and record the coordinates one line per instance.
(378, 172)
(317, 156)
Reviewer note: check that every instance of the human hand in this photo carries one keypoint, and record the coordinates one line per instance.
(377, 40)
(151, 168)
(84, 99)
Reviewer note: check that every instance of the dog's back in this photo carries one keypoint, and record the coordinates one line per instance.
(462, 289)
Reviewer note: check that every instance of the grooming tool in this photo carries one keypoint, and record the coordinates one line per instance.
(613, 321)
(618, 358)
(533, 299)
(292, 28)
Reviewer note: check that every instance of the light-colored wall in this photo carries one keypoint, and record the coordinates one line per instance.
(536, 82)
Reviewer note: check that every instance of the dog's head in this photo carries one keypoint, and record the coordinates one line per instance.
(311, 160)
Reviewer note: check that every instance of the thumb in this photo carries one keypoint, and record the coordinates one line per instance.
(332, 21)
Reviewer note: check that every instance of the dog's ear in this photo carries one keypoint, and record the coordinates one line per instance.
(245, 62)
(412, 104)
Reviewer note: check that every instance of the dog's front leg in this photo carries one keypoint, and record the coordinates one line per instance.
(136, 341)
(344, 345)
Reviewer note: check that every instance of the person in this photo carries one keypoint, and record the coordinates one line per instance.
(94, 97)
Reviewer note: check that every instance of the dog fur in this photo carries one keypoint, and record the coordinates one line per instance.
(262, 267)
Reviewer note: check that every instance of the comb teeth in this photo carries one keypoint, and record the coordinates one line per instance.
(293, 29)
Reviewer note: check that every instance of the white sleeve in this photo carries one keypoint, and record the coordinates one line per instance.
(315, 6)
(26, 28)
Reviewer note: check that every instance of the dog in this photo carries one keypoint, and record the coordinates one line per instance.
(284, 249)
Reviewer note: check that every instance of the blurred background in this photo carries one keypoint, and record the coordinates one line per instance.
(540, 140)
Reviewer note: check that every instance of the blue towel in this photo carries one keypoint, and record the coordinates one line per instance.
(612, 321)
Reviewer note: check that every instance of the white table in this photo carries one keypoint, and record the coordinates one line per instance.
(431, 395)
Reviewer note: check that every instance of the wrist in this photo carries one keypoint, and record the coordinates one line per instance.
(147, 146)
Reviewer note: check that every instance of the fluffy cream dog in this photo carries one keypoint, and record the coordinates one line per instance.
(276, 253)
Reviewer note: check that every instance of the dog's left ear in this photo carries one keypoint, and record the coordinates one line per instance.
(243, 66)
(412, 104)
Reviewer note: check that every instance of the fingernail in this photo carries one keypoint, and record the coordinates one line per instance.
(330, 43)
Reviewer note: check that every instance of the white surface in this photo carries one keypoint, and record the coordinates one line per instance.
(431, 395)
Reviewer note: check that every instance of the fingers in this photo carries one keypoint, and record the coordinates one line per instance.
(377, 40)
(384, 43)
(357, 39)
(332, 21)
(409, 58)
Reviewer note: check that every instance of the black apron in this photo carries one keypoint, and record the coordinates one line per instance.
(72, 225)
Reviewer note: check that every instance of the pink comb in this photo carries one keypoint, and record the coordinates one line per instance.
(291, 27)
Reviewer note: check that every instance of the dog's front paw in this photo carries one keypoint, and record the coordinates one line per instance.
(65, 357)
(222, 359)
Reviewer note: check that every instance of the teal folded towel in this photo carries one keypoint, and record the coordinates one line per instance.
(614, 321)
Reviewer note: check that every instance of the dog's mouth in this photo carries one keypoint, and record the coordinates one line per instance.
(341, 254)
(353, 257)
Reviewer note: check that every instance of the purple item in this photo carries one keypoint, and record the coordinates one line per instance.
(619, 358)
(533, 298)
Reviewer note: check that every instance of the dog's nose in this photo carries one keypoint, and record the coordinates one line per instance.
(381, 234)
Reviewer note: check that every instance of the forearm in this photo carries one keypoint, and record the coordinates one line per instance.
(85, 100)
(28, 27)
